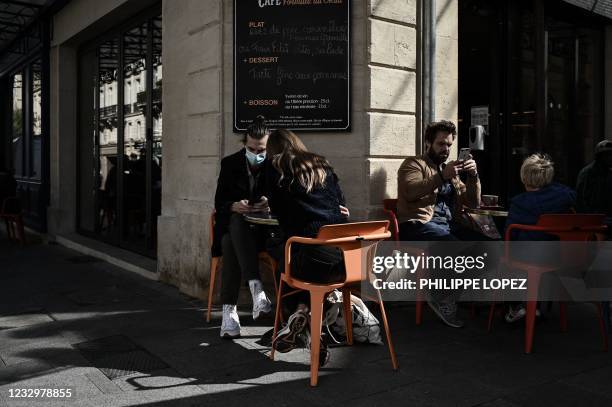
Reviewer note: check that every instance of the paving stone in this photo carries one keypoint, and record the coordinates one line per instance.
(16, 321)
(596, 380)
(14, 373)
(103, 383)
(558, 394)
(51, 352)
(58, 378)
(499, 403)
(206, 359)
(159, 379)
(438, 365)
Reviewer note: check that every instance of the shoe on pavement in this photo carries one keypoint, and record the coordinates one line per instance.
(518, 312)
(261, 303)
(447, 312)
(515, 313)
(290, 336)
(230, 325)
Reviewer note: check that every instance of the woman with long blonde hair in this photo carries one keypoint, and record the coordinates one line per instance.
(304, 194)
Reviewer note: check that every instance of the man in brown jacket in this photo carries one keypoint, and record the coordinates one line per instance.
(431, 194)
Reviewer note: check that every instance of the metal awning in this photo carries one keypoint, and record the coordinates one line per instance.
(601, 7)
(19, 28)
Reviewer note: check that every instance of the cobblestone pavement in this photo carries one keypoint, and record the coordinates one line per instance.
(118, 339)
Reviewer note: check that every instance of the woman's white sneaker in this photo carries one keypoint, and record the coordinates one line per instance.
(230, 325)
(261, 303)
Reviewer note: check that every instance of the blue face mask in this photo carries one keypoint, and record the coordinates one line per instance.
(255, 160)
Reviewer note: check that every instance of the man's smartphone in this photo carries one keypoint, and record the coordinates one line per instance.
(464, 154)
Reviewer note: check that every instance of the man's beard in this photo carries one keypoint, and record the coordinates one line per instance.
(435, 157)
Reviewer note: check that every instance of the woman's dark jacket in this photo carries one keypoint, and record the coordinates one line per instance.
(302, 213)
(232, 186)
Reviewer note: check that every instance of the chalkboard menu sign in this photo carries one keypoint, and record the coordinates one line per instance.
(292, 64)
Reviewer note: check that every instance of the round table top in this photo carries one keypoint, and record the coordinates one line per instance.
(261, 219)
(493, 211)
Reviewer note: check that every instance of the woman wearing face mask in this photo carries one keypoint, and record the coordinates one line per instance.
(238, 241)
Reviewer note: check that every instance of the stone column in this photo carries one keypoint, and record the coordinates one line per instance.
(392, 96)
(63, 140)
(192, 128)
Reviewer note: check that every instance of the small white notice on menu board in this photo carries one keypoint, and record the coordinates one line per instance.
(480, 115)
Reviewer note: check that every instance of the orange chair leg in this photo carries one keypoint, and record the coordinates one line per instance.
(348, 314)
(383, 314)
(419, 312)
(21, 228)
(533, 281)
(563, 316)
(214, 263)
(277, 316)
(9, 229)
(602, 326)
(530, 325)
(491, 316)
(316, 315)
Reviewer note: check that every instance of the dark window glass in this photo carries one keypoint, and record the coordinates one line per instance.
(156, 156)
(36, 140)
(121, 129)
(135, 43)
(17, 133)
(106, 151)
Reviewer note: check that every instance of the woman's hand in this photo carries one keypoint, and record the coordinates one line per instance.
(344, 211)
(262, 205)
(241, 206)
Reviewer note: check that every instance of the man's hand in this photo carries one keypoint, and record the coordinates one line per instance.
(344, 211)
(242, 206)
(451, 170)
(262, 205)
(470, 167)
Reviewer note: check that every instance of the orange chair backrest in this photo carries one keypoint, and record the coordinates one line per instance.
(360, 251)
(390, 205)
(357, 229)
(573, 227)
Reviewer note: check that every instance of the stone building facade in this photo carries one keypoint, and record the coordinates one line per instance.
(197, 110)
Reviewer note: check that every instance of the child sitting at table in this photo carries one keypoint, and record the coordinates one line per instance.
(542, 196)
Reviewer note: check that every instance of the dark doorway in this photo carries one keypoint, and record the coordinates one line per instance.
(536, 69)
(120, 136)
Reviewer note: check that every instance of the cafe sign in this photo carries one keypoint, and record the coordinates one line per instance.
(292, 64)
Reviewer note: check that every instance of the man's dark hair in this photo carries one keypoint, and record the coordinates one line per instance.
(443, 125)
(257, 130)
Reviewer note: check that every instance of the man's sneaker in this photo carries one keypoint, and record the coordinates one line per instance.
(447, 311)
(289, 337)
(230, 325)
(517, 313)
(261, 303)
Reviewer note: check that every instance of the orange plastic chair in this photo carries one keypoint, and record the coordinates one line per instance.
(215, 263)
(357, 241)
(390, 208)
(12, 213)
(567, 227)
